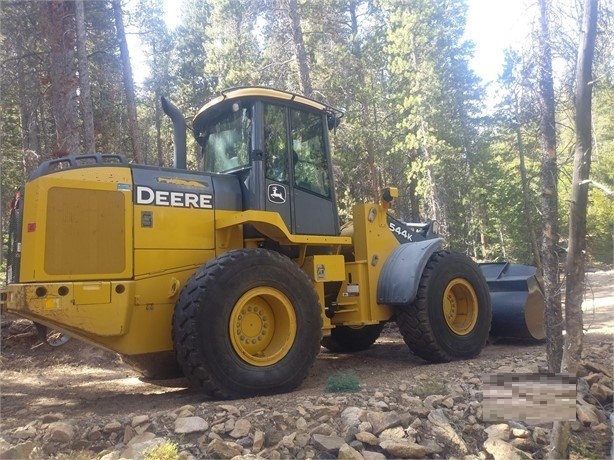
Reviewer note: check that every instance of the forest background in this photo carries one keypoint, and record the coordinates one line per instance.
(417, 117)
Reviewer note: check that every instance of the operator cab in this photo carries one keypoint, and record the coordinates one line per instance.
(277, 144)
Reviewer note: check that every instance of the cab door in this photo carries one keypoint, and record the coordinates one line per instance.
(277, 181)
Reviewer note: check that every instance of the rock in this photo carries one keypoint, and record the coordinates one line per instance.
(139, 420)
(320, 411)
(241, 428)
(525, 444)
(592, 378)
(600, 427)
(330, 444)
(448, 402)
(602, 393)
(129, 433)
(52, 417)
(141, 438)
(112, 426)
(24, 432)
(586, 414)
(499, 431)
(138, 450)
(234, 410)
(185, 425)
(594, 367)
(521, 433)
(223, 449)
(302, 439)
(351, 416)
(348, 453)
(367, 438)
(94, 435)
(431, 446)
(258, 441)
(382, 420)
(393, 433)
(432, 401)
(22, 450)
(501, 450)
(403, 449)
(365, 426)
(541, 435)
(445, 433)
(324, 429)
(413, 405)
(369, 455)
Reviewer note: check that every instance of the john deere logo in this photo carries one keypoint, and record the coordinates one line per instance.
(277, 193)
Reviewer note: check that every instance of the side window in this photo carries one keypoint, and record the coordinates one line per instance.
(275, 143)
(310, 163)
(226, 142)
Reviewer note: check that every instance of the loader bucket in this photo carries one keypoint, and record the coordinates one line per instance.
(517, 301)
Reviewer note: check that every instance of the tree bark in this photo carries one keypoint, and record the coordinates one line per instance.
(128, 82)
(574, 268)
(299, 48)
(57, 20)
(87, 108)
(549, 199)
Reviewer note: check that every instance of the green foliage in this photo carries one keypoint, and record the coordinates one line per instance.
(343, 382)
(415, 115)
(166, 450)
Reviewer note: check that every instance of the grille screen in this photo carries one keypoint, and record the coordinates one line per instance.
(85, 232)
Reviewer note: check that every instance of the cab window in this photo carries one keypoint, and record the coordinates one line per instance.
(276, 143)
(308, 150)
(227, 140)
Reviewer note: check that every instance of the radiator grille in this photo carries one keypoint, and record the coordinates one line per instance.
(85, 232)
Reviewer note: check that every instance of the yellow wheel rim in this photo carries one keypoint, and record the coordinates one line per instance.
(460, 306)
(262, 326)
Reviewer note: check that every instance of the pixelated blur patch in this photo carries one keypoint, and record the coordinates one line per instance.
(535, 398)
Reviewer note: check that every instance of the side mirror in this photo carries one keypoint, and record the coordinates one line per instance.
(333, 121)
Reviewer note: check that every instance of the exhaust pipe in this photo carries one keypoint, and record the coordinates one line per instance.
(179, 136)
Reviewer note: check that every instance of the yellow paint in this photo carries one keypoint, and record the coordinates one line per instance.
(75, 226)
(324, 268)
(263, 92)
(460, 306)
(184, 182)
(92, 293)
(262, 326)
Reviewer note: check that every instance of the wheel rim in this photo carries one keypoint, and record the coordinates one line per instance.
(262, 326)
(460, 306)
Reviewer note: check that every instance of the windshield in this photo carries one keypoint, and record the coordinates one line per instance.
(227, 140)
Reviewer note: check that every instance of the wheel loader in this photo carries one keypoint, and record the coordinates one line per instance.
(237, 273)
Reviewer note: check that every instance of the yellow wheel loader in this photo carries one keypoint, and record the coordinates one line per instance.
(235, 274)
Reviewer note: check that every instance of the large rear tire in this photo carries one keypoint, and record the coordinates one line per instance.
(450, 317)
(247, 323)
(347, 339)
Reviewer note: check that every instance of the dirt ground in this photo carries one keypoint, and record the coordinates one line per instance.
(80, 381)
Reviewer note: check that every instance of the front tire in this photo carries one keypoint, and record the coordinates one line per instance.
(247, 323)
(450, 317)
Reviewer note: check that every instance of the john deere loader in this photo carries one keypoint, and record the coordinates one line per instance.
(236, 274)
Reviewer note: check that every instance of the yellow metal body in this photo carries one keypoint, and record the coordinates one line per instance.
(88, 267)
(262, 326)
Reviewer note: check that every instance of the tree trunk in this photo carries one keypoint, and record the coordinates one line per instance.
(526, 197)
(574, 268)
(299, 48)
(549, 199)
(57, 19)
(87, 108)
(128, 81)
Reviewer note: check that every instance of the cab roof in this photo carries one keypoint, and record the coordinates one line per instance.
(261, 91)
